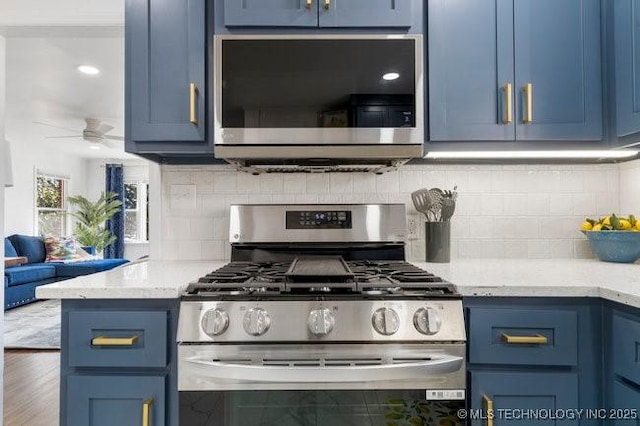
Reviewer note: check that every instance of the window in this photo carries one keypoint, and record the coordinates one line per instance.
(136, 211)
(51, 205)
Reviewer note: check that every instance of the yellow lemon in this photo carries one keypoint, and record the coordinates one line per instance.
(607, 221)
(625, 224)
(597, 227)
(638, 225)
(586, 226)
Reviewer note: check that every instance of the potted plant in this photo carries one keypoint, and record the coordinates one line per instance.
(90, 219)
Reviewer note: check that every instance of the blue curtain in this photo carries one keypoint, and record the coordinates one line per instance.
(115, 183)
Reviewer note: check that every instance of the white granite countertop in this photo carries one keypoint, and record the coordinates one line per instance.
(141, 280)
(542, 278)
(487, 277)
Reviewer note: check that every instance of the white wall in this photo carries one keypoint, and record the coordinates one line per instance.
(61, 12)
(630, 188)
(2, 191)
(503, 211)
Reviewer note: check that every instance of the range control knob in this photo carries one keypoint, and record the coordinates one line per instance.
(214, 322)
(385, 321)
(321, 321)
(427, 320)
(256, 321)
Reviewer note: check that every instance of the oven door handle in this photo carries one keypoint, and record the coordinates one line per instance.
(325, 374)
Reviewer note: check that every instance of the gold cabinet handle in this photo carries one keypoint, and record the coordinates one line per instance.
(528, 100)
(309, 4)
(538, 339)
(488, 409)
(146, 412)
(114, 341)
(327, 4)
(193, 97)
(508, 93)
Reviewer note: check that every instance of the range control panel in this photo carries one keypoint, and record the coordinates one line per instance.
(319, 219)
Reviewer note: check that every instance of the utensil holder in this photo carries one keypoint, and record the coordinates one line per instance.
(437, 237)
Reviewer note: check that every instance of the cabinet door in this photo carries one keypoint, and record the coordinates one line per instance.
(365, 13)
(557, 52)
(165, 55)
(280, 13)
(625, 398)
(115, 400)
(470, 65)
(627, 53)
(523, 391)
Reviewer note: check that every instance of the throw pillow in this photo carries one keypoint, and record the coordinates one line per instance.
(60, 249)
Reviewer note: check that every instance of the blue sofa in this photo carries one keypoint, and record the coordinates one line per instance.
(20, 281)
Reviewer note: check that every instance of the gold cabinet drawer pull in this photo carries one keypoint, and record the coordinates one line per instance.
(309, 4)
(114, 341)
(528, 99)
(538, 339)
(488, 409)
(146, 412)
(508, 93)
(193, 96)
(327, 4)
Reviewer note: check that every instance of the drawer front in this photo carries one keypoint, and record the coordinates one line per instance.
(626, 348)
(117, 339)
(523, 337)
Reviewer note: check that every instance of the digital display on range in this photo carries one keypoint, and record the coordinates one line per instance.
(325, 219)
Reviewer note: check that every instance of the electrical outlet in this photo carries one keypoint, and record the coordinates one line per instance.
(413, 227)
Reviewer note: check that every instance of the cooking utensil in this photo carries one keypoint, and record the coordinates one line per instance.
(448, 207)
(435, 200)
(422, 201)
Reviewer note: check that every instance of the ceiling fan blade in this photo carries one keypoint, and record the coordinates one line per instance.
(62, 137)
(42, 123)
(114, 138)
(104, 128)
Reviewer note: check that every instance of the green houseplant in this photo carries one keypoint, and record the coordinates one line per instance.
(90, 218)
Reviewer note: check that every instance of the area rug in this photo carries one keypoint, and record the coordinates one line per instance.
(33, 326)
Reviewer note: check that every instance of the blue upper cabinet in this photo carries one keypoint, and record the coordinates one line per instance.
(165, 72)
(322, 13)
(470, 68)
(627, 65)
(558, 69)
(497, 70)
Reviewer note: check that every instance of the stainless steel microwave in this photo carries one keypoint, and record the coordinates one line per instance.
(297, 98)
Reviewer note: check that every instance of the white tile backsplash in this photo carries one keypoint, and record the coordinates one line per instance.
(511, 211)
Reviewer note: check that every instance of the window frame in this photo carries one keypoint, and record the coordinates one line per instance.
(141, 210)
(64, 210)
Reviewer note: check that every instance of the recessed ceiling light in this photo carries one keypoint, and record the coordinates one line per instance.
(621, 153)
(88, 69)
(391, 76)
(94, 147)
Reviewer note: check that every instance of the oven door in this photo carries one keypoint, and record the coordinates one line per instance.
(322, 385)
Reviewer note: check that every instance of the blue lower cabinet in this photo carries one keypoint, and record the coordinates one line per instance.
(507, 396)
(115, 400)
(626, 399)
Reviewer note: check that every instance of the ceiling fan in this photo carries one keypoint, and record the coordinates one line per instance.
(94, 132)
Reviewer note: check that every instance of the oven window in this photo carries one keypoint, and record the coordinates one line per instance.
(318, 83)
(316, 408)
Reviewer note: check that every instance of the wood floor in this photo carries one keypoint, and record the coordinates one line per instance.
(31, 388)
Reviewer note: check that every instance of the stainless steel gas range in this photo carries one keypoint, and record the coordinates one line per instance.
(318, 320)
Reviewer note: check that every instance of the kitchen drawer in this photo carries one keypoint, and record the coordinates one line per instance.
(555, 331)
(626, 347)
(117, 339)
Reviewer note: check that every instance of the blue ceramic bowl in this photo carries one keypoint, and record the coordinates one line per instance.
(615, 246)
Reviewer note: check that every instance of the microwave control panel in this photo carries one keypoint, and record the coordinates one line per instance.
(319, 219)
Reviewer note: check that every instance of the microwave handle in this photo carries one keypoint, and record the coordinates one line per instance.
(326, 374)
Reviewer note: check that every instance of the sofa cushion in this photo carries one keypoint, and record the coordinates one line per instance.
(30, 247)
(17, 275)
(9, 250)
(87, 267)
